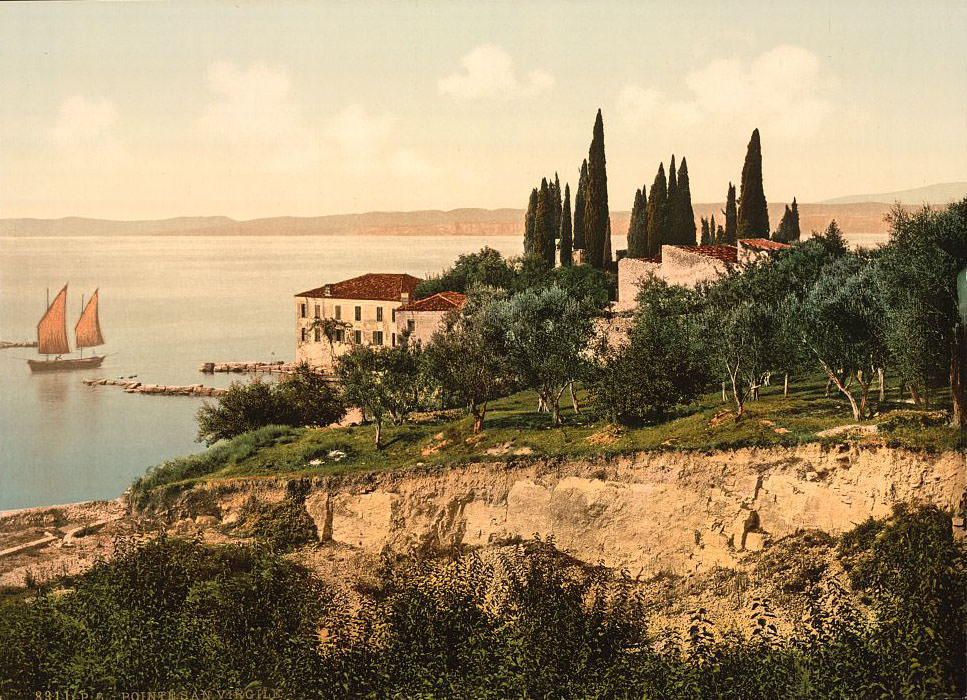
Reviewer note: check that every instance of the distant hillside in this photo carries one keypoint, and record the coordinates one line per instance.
(79, 226)
(942, 193)
(866, 217)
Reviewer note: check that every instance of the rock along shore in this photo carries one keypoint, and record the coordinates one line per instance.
(278, 366)
(131, 387)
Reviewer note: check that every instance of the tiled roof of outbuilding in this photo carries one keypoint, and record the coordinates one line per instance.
(376, 286)
(763, 244)
(725, 253)
(442, 301)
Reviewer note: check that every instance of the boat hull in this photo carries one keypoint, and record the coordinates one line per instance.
(68, 364)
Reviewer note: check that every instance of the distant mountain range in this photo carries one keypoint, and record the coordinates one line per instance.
(941, 193)
(855, 214)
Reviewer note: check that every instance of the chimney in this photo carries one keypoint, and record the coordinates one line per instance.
(404, 297)
(327, 290)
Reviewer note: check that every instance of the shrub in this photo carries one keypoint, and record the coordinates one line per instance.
(304, 398)
(282, 527)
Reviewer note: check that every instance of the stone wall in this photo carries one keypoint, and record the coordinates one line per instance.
(425, 324)
(318, 353)
(631, 272)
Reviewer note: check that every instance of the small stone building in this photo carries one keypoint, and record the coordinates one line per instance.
(688, 265)
(422, 318)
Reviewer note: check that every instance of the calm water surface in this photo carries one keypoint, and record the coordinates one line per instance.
(166, 305)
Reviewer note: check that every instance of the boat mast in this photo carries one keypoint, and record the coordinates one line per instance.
(46, 356)
(82, 313)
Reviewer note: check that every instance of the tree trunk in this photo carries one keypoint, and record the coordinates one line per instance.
(379, 434)
(881, 377)
(915, 395)
(829, 383)
(574, 398)
(724, 398)
(479, 413)
(843, 388)
(785, 386)
(865, 383)
(958, 359)
(541, 403)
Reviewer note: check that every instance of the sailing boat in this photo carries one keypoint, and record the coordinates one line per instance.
(52, 336)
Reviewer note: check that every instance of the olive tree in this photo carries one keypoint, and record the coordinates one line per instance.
(464, 357)
(841, 321)
(544, 335)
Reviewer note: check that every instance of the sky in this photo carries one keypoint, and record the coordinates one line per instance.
(143, 110)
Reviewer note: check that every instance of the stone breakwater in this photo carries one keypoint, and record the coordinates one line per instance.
(679, 512)
(278, 367)
(4, 344)
(131, 387)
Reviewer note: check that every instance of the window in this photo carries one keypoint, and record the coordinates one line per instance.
(393, 315)
(358, 337)
(305, 335)
(338, 312)
(394, 340)
(377, 337)
(302, 310)
(379, 313)
(411, 325)
(317, 333)
(317, 311)
(340, 334)
(359, 313)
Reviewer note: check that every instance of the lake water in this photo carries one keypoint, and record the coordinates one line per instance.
(167, 304)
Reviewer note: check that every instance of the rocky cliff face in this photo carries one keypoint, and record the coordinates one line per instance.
(673, 512)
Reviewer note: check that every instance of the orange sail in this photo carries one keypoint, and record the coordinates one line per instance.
(52, 329)
(88, 328)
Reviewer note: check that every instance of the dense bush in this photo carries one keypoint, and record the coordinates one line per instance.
(282, 526)
(659, 368)
(526, 623)
(303, 398)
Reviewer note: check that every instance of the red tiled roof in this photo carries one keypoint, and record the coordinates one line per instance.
(725, 253)
(375, 286)
(647, 260)
(763, 244)
(442, 301)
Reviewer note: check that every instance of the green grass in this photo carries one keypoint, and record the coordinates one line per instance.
(514, 430)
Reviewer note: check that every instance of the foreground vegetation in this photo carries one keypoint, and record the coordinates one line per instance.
(175, 614)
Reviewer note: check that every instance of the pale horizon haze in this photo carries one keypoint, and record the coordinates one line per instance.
(142, 110)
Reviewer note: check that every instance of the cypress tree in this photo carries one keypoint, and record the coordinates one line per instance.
(529, 223)
(712, 233)
(607, 247)
(556, 203)
(543, 221)
(657, 201)
(579, 200)
(753, 219)
(685, 217)
(705, 237)
(671, 232)
(731, 219)
(567, 257)
(596, 216)
(794, 232)
(638, 228)
(780, 235)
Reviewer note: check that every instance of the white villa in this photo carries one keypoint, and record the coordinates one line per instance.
(688, 265)
(372, 309)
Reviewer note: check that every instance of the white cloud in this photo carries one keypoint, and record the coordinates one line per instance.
(488, 72)
(364, 141)
(780, 90)
(253, 108)
(84, 123)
